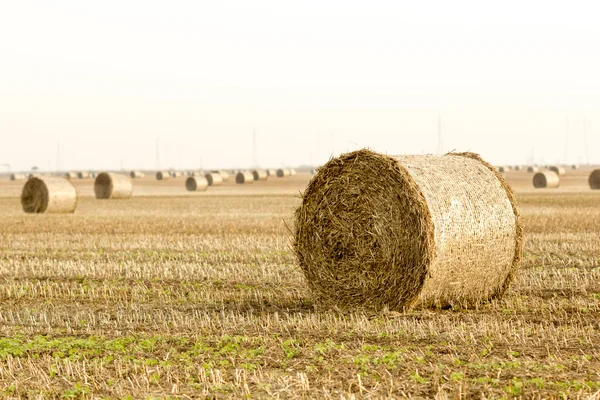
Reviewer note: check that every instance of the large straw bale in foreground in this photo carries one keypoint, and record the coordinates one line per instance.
(49, 194)
(196, 183)
(162, 175)
(109, 185)
(594, 179)
(214, 179)
(560, 171)
(426, 230)
(546, 180)
(260, 175)
(244, 177)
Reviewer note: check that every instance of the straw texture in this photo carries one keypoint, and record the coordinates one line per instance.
(196, 183)
(594, 179)
(560, 171)
(260, 175)
(214, 179)
(49, 195)
(244, 177)
(109, 185)
(546, 180)
(162, 175)
(410, 231)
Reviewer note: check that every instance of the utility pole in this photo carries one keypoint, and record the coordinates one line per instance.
(440, 146)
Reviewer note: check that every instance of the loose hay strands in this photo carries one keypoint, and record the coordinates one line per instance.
(17, 177)
(214, 179)
(533, 169)
(244, 177)
(49, 195)
(196, 183)
(546, 180)
(136, 174)
(260, 175)
(560, 171)
(109, 185)
(162, 175)
(376, 231)
(281, 172)
(594, 179)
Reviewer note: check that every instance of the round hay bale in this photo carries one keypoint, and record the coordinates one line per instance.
(136, 174)
(109, 185)
(175, 174)
(162, 175)
(502, 169)
(71, 175)
(282, 172)
(224, 174)
(533, 169)
(574, 166)
(83, 175)
(560, 171)
(546, 180)
(244, 177)
(419, 230)
(517, 167)
(272, 172)
(196, 183)
(260, 175)
(17, 177)
(214, 179)
(292, 172)
(49, 194)
(594, 179)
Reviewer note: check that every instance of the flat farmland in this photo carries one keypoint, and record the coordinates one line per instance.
(174, 294)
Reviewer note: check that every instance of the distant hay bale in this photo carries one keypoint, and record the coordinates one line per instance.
(502, 169)
(594, 179)
(136, 174)
(272, 172)
(83, 175)
(93, 175)
(533, 169)
(517, 167)
(244, 177)
(49, 194)
(224, 174)
(282, 172)
(109, 185)
(293, 171)
(175, 174)
(214, 179)
(260, 175)
(196, 183)
(162, 175)
(546, 180)
(71, 175)
(376, 231)
(560, 171)
(574, 166)
(17, 177)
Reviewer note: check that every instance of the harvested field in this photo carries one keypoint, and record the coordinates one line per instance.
(183, 294)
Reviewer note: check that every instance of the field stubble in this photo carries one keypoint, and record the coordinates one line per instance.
(191, 295)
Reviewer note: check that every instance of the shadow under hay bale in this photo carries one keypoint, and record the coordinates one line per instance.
(52, 195)
(546, 180)
(109, 185)
(594, 179)
(376, 231)
(260, 175)
(214, 179)
(244, 177)
(162, 175)
(560, 171)
(196, 184)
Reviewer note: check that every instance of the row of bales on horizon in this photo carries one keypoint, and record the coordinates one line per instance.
(549, 176)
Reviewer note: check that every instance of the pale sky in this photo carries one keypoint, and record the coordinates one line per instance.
(106, 79)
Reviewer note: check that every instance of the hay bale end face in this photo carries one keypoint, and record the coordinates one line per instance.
(594, 179)
(109, 185)
(52, 195)
(244, 177)
(560, 171)
(214, 179)
(260, 175)
(376, 231)
(546, 180)
(162, 175)
(196, 184)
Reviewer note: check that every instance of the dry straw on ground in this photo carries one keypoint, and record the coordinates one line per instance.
(162, 175)
(136, 174)
(214, 179)
(546, 180)
(244, 177)
(17, 177)
(533, 169)
(560, 171)
(196, 183)
(594, 179)
(260, 175)
(376, 231)
(49, 195)
(109, 185)
(281, 172)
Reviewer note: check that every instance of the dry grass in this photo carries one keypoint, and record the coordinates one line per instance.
(137, 298)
